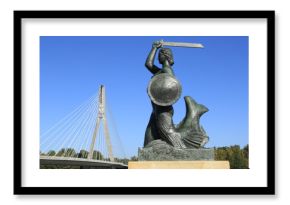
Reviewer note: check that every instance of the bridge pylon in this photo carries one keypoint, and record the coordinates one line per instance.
(101, 117)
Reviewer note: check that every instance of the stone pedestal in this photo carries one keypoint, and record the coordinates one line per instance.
(178, 165)
(160, 151)
(159, 155)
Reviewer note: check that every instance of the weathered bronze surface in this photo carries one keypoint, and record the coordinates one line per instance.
(164, 90)
(158, 150)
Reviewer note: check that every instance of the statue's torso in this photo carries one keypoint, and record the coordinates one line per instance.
(166, 69)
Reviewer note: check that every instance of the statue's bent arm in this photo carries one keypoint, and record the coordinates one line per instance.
(150, 61)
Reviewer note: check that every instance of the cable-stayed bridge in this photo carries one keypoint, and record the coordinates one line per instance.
(84, 138)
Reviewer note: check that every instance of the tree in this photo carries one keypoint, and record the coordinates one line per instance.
(134, 158)
(237, 157)
(246, 151)
(246, 156)
(51, 153)
(97, 155)
(83, 154)
(61, 152)
(70, 152)
(122, 160)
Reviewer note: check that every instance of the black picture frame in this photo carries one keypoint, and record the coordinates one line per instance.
(268, 190)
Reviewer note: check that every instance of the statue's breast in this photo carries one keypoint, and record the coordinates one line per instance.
(164, 89)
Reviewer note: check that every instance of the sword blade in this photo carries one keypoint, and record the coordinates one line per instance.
(180, 44)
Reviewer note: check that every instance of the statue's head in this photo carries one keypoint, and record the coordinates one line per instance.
(165, 54)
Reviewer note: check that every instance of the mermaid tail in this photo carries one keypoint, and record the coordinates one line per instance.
(192, 133)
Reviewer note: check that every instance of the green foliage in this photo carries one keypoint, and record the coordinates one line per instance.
(83, 154)
(51, 153)
(134, 158)
(238, 158)
(97, 155)
(70, 152)
(61, 152)
(123, 160)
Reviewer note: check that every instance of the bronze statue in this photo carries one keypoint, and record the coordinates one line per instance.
(164, 90)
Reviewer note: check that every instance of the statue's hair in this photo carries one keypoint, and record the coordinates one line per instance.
(165, 54)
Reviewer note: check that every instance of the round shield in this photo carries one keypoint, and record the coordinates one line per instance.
(164, 89)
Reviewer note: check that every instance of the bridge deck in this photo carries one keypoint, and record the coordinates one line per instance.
(87, 163)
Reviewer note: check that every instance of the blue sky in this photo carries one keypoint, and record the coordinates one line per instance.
(73, 68)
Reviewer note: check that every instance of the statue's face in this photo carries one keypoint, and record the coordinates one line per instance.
(165, 54)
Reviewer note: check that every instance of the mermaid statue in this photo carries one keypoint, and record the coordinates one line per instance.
(164, 90)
